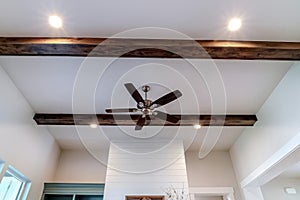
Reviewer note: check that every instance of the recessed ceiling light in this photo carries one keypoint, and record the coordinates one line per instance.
(234, 24)
(197, 126)
(55, 21)
(93, 125)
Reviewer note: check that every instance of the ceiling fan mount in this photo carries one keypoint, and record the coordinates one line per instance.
(146, 88)
(147, 107)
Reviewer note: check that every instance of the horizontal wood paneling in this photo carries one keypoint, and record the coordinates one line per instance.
(148, 173)
(170, 171)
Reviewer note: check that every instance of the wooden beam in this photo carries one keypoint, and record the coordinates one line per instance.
(130, 120)
(150, 48)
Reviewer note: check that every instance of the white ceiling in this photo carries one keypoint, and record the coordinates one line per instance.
(291, 172)
(72, 138)
(262, 20)
(87, 85)
(62, 85)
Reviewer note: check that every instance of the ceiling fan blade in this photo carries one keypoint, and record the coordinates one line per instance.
(167, 98)
(140, 123)
(166, 117)
(120, 110)
(134, 92)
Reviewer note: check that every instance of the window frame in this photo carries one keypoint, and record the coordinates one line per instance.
(75, 189)
(26, 183)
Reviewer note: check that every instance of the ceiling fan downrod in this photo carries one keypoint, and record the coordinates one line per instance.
(146, 110)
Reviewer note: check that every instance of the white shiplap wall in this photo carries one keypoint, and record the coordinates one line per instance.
(144, 168)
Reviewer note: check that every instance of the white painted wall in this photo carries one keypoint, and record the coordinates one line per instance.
(215, 170)
(144, 167)
(274, 190)
(278, 123)
(28, 148)
(79, 166)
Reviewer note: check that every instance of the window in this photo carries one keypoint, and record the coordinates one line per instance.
(14, 185)
(73, 191)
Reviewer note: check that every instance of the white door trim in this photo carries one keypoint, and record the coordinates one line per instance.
(275, 165)
(285, 157)
(225, 192)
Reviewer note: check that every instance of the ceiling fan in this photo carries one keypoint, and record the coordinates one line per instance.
(148, 107)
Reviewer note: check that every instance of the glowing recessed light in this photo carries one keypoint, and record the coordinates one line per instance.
(55, 21)
(93, 125)
(234, 24)
(197, 126)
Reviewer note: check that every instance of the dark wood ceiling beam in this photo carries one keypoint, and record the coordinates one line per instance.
(130, 120)
(150, 48)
